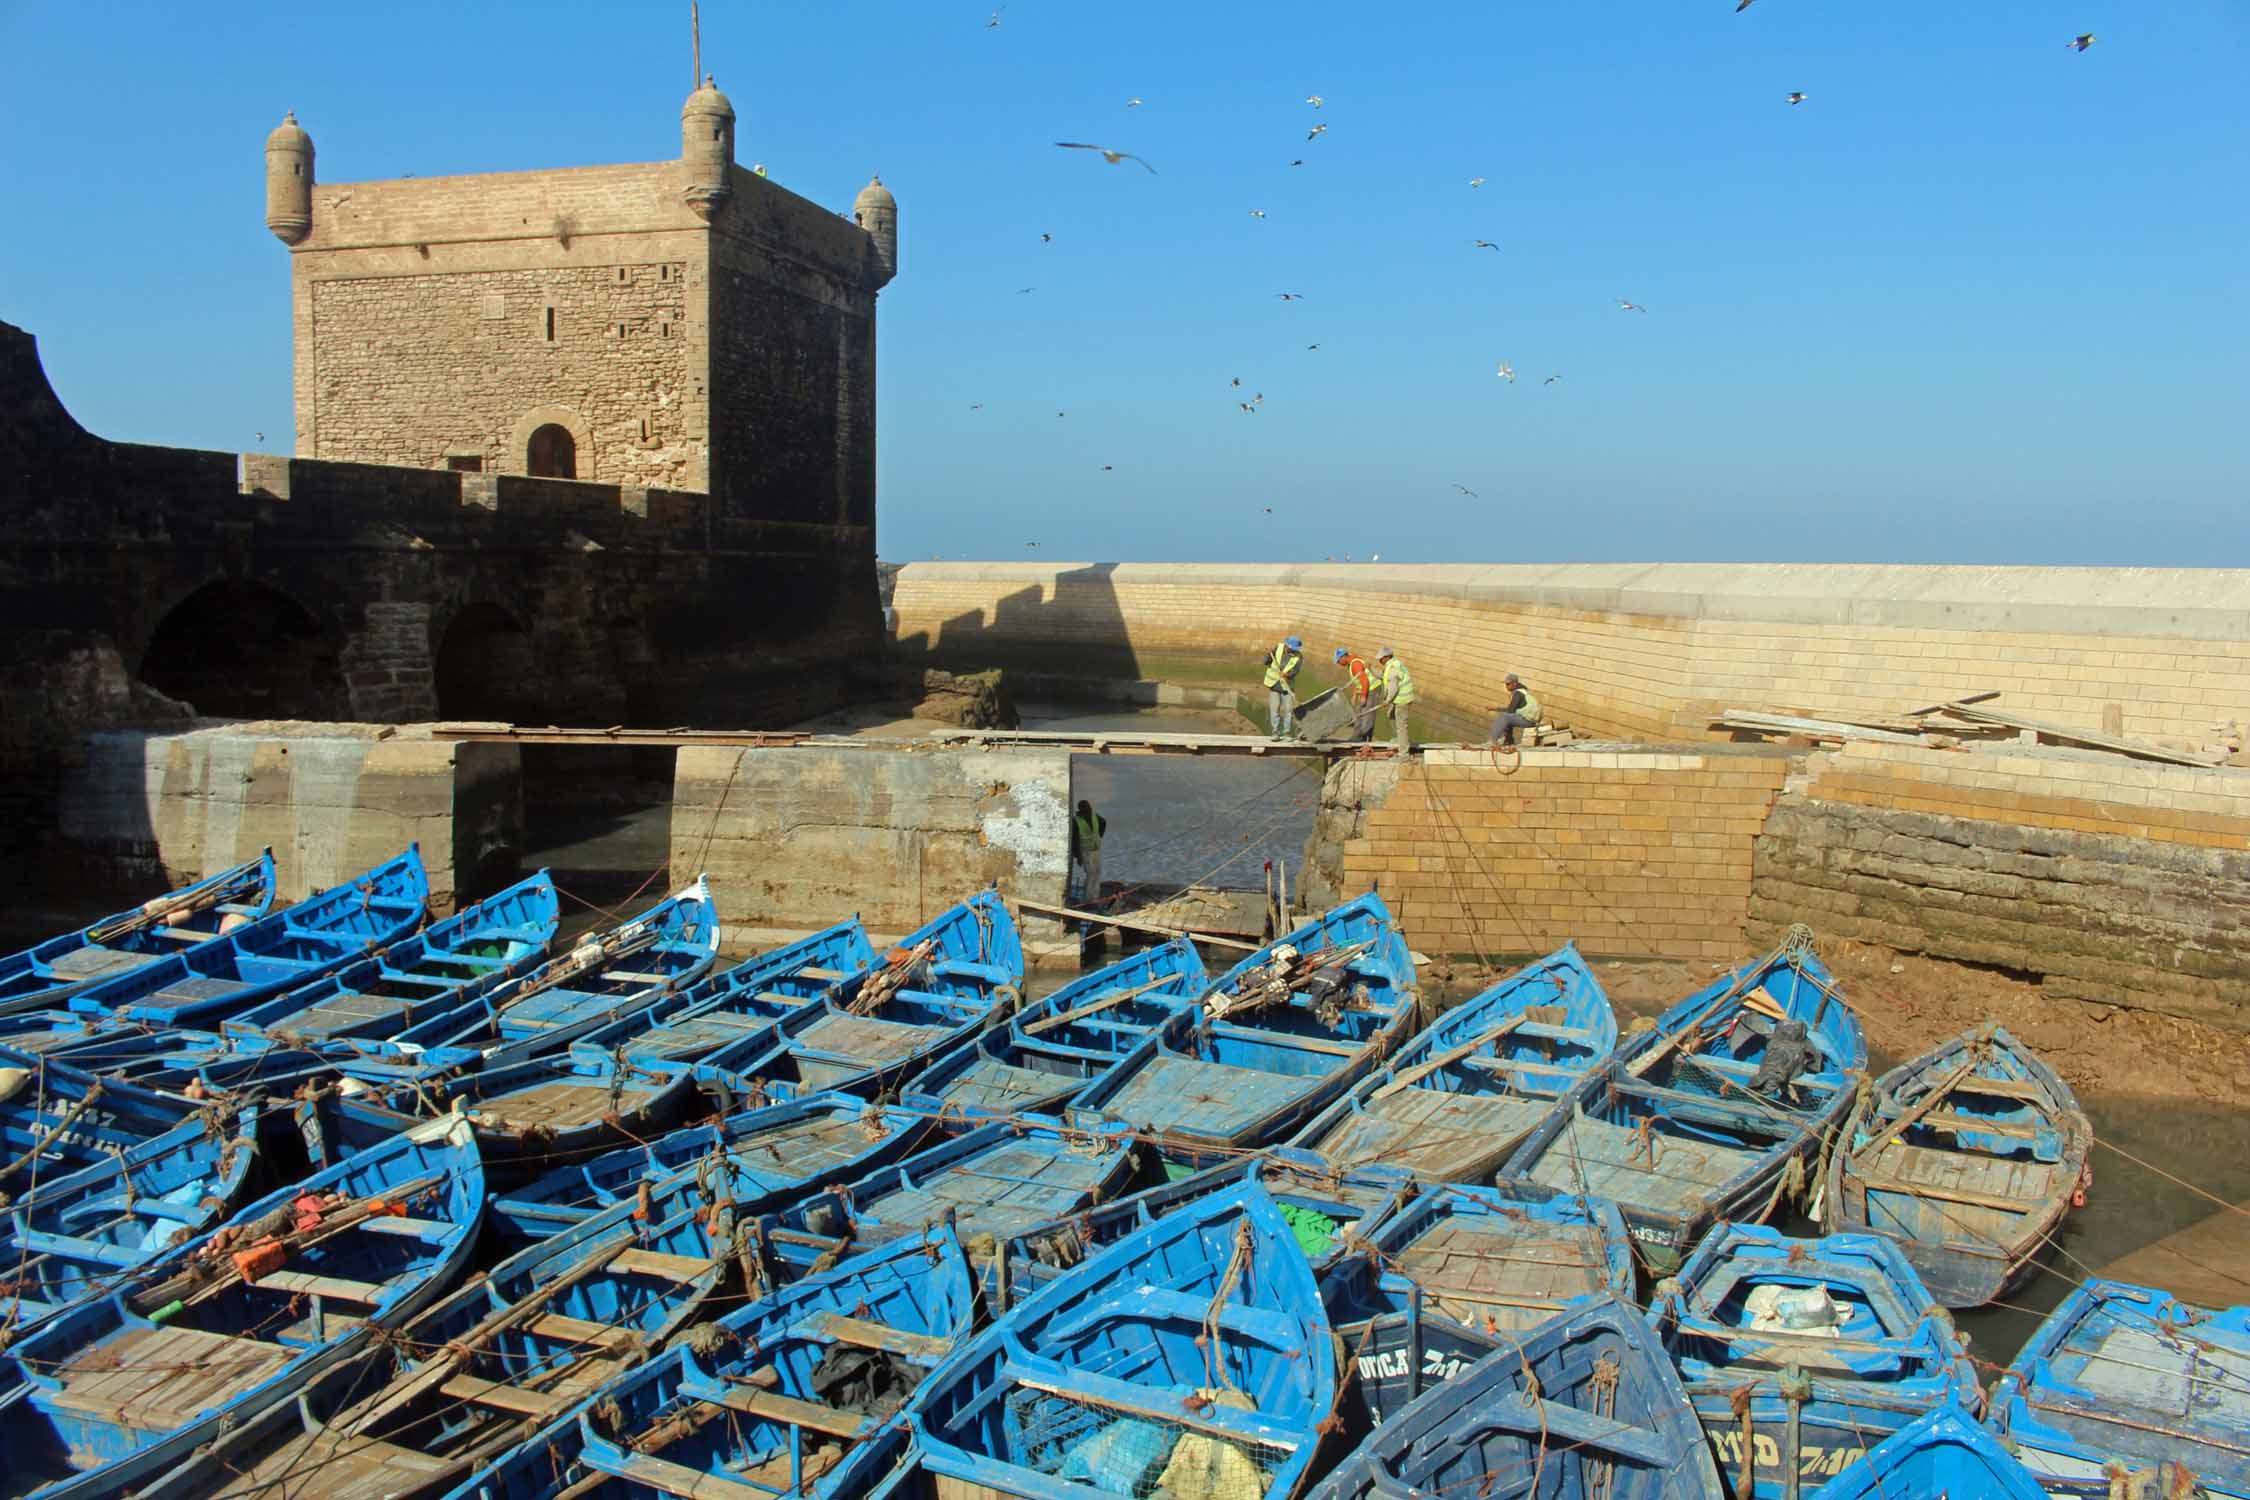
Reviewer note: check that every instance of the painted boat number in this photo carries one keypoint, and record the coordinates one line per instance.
(1651, 1236)
(1436, 1364)
(1813, 1460)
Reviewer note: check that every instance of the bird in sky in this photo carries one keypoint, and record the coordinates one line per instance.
(1745, 5)
(1464, 489)
(1112, 157)
(1269, 510)
(1290, 296)
(1315, 100)
(2080, 42)
(1796, 98)
(1300, 161)
(1486, 245)
(1134, 102)
(1550, 380)
(1259, 399)
(1236, 382)
(1031, 544)
(261, 437)
(976, 406)
(1374, 557)
(1476, 182)
(1247, 408)
(1108, 468)
(1062, 413)
(1625, 306)
(1320, 129)
(1046, 239)
(1025, 291)
(1312, 346)
(1257, 213)
(1508, 373)
(995, 21)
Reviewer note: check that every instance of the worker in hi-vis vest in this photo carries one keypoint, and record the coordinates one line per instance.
(1398, 692)
(1281, 687)
(1361, 684)
(1518, 711)
(1086, 829)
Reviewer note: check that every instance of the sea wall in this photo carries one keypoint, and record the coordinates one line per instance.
(1632, 651)
(331, 800)
(796, 837)
(2115, 883)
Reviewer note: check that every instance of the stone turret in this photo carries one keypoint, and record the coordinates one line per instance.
(707, 149)
(289, 180)
(876, 211)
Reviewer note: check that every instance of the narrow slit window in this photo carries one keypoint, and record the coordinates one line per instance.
(550, 325)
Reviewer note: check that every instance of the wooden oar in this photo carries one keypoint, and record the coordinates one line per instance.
(1079, 1013)
(1930, 1101)
(1421, 1071)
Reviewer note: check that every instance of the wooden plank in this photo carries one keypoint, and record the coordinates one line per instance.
(2092, 739)
(579, 1330)
(1824, 728)
(1896, 1129)
(1130, 925)
(680, 1480)
(1948, 1194)
(501, 1396)
(366, 1292)
(866, 1335)
(776, 1407)
(819, 975)
(657, 1263)
(1984, 697)
(1080, 1012)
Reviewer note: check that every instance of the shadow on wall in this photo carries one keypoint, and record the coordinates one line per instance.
(1080, 629)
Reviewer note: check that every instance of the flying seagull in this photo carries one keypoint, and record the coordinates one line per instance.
(2080, 42)
(1031, 544)
(1315, 100)
(1290, 296)
(1745, 5)
(1112, 157)
(1316, 130)
(1300, 161)
(976, 406)
(1312, 346)
(1486, 245)
(1508, 373)
(1464, 489)
(1046, 239)
(1025, 291)
(1236, 382)
(1269, 510)
(1550, 380)
(1247, 408)
(1630, 306)
(996, 21)
(1796, 98)
(1134, 102)
(1476, 182)
(1257, 213)
(1108, 468)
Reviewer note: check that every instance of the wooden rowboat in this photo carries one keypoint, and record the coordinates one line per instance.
(49, 973)
(1970, 1158)
(746, 1001)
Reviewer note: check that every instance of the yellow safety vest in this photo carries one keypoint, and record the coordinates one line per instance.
(1278, 671)
(1089, 833)
(1398, 683)
(1530, 709)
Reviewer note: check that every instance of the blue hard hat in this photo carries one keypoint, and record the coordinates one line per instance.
(1341, 653)
(1294, 644)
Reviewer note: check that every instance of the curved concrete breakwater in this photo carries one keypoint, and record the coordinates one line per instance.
(2107, 878)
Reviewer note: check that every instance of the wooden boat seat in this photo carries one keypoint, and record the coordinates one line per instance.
(669, 1478)
(427, 1230)
(96, 962)
(775, 997)
(199, 990)
(501, 1396)
(1507, 1065)
(1435, 1135)
(1581, 1429)
(1288, 1039)
(837, 1328)
(158, 1379)
(638, 1262)
(818, 975)
(44, 1243)
(635, 976)
(367, 1293)
(775, 1407)
(601, 1336)
(2004, 1088)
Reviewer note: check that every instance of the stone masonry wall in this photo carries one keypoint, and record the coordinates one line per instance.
(1628, 853)
(1644, 651)
(414, 369)
(2107, 882)
(797, 837)
(331, 800)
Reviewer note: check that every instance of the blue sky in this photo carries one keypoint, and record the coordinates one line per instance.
(1979, 299)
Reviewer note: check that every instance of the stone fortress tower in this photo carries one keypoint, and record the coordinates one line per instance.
(684, 324)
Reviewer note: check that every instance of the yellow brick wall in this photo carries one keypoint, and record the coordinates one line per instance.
(2173, 805)
(1639, 855)
(1658, 665)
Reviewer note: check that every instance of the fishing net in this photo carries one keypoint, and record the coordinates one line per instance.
(1315, 1230)
(1140, 1456)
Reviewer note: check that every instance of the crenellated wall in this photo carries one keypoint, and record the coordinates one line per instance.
(1631, 651)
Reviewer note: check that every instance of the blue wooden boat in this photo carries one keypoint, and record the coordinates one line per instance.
(1716, 1113)
(1191, 1357)
(1942, 1453)
(2133, 1377)
(746, 1001)
(1970, 1157)
(1461, 1096)
(1048, 1052)
(120, 1387)
(947, 981)
(622, 970)
(56, 1118)
(994, 1182)
(49, 973)
(766, 1155)
(231, 973)
(1331, 1212)
(485, 1367)
(70, 1236)
(197, 1065)
(1583, 1407)
(1497, 1259)
(412, 981)
(528, 1116)
(1800, 1355)
(1280, 1037)
(768, 1403)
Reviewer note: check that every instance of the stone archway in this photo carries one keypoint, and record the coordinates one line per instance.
(547, 439)
(484, 666)
(239, 649)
